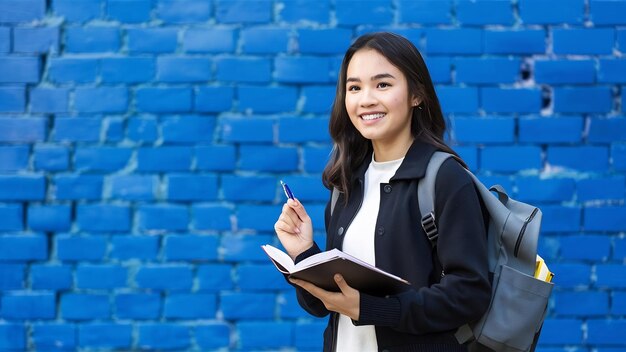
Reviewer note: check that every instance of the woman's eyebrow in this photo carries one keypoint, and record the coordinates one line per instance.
(373, 78)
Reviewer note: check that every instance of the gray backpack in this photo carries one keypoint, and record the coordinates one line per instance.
(518, 301)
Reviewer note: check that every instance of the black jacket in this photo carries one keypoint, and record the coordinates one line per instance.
(426, 317)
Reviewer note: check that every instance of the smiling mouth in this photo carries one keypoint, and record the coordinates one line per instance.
(370, 117)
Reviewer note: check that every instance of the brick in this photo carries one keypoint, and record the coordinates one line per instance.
(289, 307)
(607, 130)
(12, 276)
(518, 41)
(12, 99)
(545, 190)
(484, 12)
(164, 336)
(214, 277)
(301, 69)
(164, 277)
(454, 41)
(243, 69)
(612, 71)
(50, 277)
(84, 306)
(190, 247)
(469, 154)
(257, 217)
(536, 129)
(22, 187)
(134, 247)
(183, 11)
(607, 218)
(618, 303)
(260, 277)
(273, 99)
(213, 99)
(152, 40)
(309, 335)
(511, 158)
(584, 158)
(251, 11)
(213, 336)
(583, 100)
(163, 99)
(260, 335)
(137, 306)
(36, 39)
(217, 40)
(78, 10)
(16, 11)
(598, 41)
(249, 188)
(72, 70)
(247, 130)
(106, 100)
(425, 12)
(80, 248)
(618, 156)
(32, 129)
(114, 129)
(565, 71)
(183, 69)
(51, 157)
(323, 41)
(572, 275)
(264, 158)
(265, 40)
(164, 217)
(559, 12)
(215, 157)
(125, 11)
(511, 100)
(187, 129)
(606, 332)
(190, 306)
(561, 332)
(458, 99)
(373, 12)
(484, 130)
(49, 217)
(245, 247)
(603, 12)
(75, 187)
(246, 305)
(127, 70)
(28, 305)
(92, 39)
(583, 247)
(133, 187)
(302, 130)
(100, 277)
(13, 335)
(164, 159)
(211, 217)
(12, 217)
(584, 303)
(601, 188)
(315, 158)
(5, 39)
(48, 337)
(486, 71)
(49, 100)
(142, 129)
(103, 217)
(14, 158)
(77, 129)
(440, 69)
(305, 11)
(105, 335)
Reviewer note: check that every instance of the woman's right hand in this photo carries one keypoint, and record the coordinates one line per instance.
(294, 228)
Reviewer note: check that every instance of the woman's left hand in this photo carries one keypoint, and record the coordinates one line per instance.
(345, 302)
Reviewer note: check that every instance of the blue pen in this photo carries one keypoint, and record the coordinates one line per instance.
(287, 190)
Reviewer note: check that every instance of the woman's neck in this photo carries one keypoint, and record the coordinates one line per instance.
(391, 151)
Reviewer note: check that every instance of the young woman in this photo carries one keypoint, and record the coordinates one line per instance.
(385, 124)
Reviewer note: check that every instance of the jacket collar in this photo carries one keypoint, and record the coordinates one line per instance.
(413, 166)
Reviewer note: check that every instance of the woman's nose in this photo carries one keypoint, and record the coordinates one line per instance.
(368, 98)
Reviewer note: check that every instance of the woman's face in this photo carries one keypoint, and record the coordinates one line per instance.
(378, 100)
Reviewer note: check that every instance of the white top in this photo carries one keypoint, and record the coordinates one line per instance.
(359, 242)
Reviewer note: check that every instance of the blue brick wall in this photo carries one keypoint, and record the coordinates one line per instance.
(141, 145)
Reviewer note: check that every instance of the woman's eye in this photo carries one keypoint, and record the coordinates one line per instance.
(383, 85)
(353, 88)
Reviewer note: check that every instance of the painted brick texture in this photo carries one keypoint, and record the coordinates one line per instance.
(141, 145)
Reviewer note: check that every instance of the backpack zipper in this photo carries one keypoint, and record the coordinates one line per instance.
(522, 230)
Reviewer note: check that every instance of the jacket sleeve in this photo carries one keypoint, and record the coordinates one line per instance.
(464, 292)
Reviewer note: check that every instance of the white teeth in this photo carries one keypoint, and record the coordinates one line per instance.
(372, 116)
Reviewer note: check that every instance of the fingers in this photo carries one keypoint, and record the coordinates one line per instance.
(299, 209)
(288, 221)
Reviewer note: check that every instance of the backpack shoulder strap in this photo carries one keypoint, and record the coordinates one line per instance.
(426, 195)
(333, 199)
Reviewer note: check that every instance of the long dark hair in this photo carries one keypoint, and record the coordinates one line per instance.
(427, 124)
